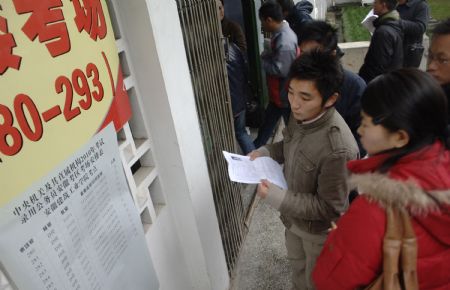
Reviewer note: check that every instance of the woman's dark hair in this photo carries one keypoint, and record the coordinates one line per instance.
(409, 100)
(322, 68)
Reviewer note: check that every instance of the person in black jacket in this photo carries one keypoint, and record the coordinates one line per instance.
(385, 52)
(414, 16)
(296, 14)
(237, 77)
(237, 80)
(439, 57)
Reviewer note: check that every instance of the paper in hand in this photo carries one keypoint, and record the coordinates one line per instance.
(368, 21)
(242, 169)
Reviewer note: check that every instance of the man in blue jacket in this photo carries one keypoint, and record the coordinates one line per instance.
(297, 15)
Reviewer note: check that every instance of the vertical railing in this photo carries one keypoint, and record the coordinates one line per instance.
(205, 54)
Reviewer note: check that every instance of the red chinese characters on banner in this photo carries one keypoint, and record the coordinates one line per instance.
(90, 18)
(47, 22)
(7, 43)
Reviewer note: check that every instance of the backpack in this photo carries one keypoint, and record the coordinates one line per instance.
(399, 254)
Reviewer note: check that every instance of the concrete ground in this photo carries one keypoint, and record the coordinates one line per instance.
(262, 263)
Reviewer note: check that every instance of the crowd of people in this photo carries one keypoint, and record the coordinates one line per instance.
(384, 133)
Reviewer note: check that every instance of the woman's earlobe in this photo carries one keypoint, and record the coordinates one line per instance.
(402, 139)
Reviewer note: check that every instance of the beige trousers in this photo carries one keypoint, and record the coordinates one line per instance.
(302, 250)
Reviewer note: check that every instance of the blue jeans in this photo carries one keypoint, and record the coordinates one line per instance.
(244, 140)
(271, 117)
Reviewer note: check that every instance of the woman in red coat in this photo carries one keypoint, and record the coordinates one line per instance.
(404, 130)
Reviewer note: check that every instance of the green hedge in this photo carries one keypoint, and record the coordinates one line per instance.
(351, 21)
(440, 9)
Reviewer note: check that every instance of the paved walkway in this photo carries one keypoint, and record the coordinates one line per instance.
(262, 263)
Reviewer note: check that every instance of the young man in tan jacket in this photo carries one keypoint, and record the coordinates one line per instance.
(316, 147)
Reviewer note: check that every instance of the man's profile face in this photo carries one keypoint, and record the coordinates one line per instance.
(379, 7)
(267, 24)
(306, 101)
(439, 58)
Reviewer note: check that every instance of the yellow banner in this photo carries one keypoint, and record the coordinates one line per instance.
(59, 75)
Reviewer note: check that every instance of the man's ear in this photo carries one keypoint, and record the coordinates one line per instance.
(401, 138)
(331, 100)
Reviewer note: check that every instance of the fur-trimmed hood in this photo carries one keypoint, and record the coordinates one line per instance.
(419, 182)
(430, 210)
(390, 192)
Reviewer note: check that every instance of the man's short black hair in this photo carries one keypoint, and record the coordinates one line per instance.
(320, 67)
(286, 5)
(390, 4)
(442, 28)
(321, 32)
(271, 9)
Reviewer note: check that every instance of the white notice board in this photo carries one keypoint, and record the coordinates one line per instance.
(77, 228)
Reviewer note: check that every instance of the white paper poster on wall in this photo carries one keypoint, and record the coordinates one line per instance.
(77, 228)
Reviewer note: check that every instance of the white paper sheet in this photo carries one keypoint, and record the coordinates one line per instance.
(368, 21)
(79, 228)
(242, 169)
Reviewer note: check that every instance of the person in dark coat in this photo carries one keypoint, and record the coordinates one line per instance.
(297, 14)
(414, 15)
(237, 80)
(439, 57)
(385, 52)
(231, 30)
(237, 77)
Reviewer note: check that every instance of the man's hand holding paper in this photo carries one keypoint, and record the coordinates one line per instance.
(243, 169)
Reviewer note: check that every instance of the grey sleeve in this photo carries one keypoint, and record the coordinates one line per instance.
(417, 26)
(279, 61)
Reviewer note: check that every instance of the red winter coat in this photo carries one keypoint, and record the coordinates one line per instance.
(352, 254)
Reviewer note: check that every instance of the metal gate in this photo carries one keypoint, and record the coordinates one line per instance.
(205, 54)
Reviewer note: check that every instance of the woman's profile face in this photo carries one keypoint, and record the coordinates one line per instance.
(376, 138)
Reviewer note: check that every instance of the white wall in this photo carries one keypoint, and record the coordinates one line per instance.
(320, 8)
(184, 241)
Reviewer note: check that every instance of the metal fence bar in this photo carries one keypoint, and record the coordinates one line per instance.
(205, 53)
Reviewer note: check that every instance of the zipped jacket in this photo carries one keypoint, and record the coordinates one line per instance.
(385, 52)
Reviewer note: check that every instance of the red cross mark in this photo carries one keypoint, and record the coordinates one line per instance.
(7, 42)
(47, 22)
(90, 18)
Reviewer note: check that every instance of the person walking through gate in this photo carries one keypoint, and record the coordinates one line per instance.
(276, 63)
